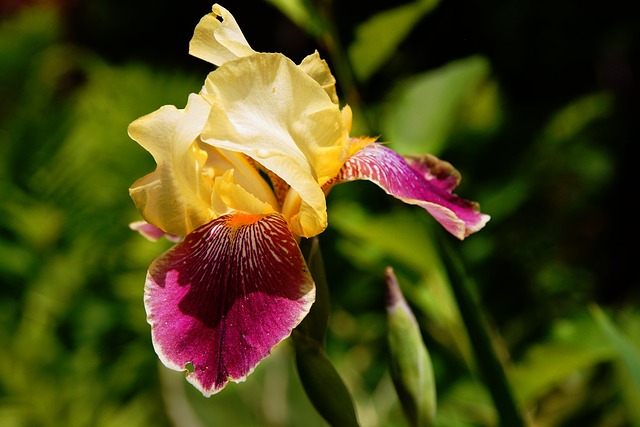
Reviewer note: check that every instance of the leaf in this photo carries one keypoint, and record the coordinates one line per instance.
(427, 107)
(21, 39)
(401, 236)
(628, 354)
(377, 39)
(574, 118)
(566, 126)
(322, 383)
(573, 345)
(628, 368)
(483, 340)
(465, 403)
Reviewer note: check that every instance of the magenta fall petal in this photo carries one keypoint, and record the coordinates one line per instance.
(225, 296)
(427, 182)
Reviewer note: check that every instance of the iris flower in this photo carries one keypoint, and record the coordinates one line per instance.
(242, 175)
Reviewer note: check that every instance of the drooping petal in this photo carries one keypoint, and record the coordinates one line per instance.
(176, 197)
(440, 173)
(281, 117)
(427, 183)
(218, 38)
(219, 301)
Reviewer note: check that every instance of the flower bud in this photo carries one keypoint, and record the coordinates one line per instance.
(409, 360)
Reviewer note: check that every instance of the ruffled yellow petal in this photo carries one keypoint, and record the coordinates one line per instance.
(266, 107)
(218, 38)
(176, 196)
(319, 71)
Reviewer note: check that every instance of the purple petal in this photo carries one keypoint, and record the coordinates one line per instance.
(424, 181)
(151, 232)
(223, 298)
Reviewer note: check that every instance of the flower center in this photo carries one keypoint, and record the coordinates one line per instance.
(240, 219)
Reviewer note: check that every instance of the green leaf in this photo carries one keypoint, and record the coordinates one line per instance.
(466, 403)
(481, 336)
(628, 368)
(377, 39)
(427, 107)
(320, 380)
(403, 237)
(573, 345)
(399, 234)
(572, 119)
(322, 383)
(21, 39)
(628, 354)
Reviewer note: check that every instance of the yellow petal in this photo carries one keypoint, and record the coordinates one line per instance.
(176, 196)
(318, 70)
(236, 198)
(218, 38)
(266, 107)
(347, 118)
(245, 174)
(303, 219)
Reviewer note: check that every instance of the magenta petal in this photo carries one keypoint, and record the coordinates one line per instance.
(223, 298)
(151, 232)
(425, 181)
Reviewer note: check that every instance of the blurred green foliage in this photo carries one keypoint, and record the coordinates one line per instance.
(548, 159)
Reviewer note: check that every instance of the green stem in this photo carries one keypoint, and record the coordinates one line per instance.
(489, 364)
(330, 40)
(316, 323)
(320, 379)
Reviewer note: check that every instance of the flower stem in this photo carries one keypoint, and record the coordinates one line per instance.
(489, 365)
(316, 323)
(320, 379)
(329, 38)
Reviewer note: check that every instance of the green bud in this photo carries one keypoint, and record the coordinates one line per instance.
(322, 383)
(409, 361)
